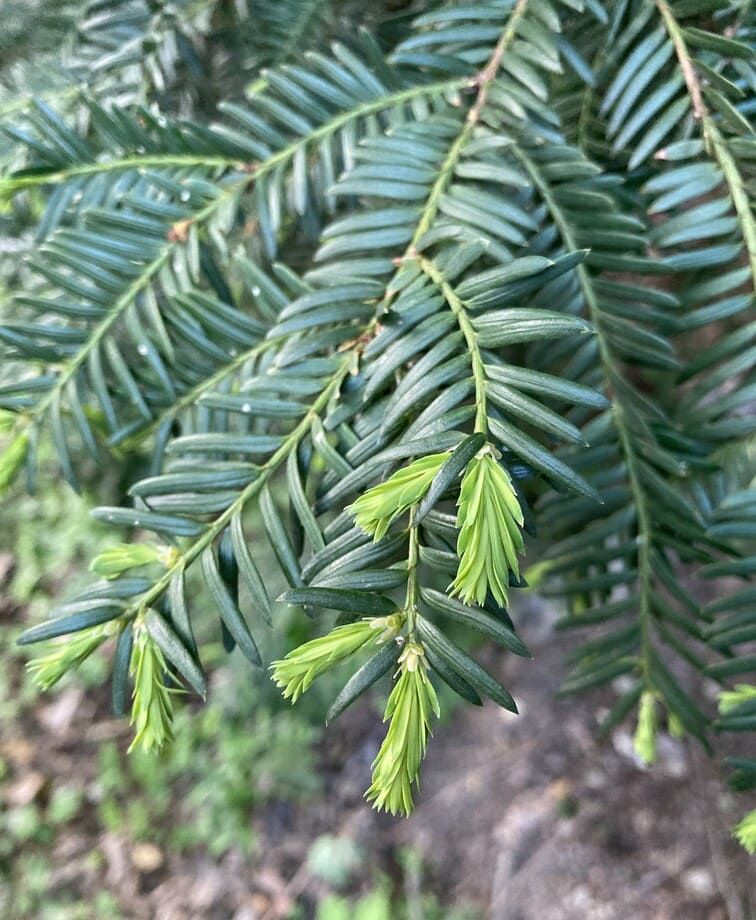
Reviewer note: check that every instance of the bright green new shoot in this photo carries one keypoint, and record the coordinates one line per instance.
(489, 521)
(745, 832)
(378, 507)
(11, 460)
(152, 703)
(124, 556)
(67, 653)
(295, 673)
(396, 769)
(644, 739)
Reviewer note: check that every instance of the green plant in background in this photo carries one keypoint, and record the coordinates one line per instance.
(335, 859)
(202, 791)
(52, 537)
(381, 314)
(240, 752)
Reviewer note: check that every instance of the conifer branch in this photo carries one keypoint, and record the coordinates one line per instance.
(471, 340)
(712, 136)
(611, 372)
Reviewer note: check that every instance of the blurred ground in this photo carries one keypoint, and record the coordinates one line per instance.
(521, 819)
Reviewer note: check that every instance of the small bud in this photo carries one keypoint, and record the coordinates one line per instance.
(124, 556)
(168, 556)
(12, 459)
(412, 656)
(391, 625)
(644, 740)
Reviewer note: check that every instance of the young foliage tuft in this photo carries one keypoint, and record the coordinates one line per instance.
(295, 673)
(745, 832)
(489, 521)
(152, 701)
(375, 509)
(644, 739)
(66, 654)
(412, 702)
(124, 556)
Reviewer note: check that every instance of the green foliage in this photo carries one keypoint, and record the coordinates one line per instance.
(381, 902)
(53, 537)
(499, 258)
(408, 711)
(489, 522)
(746, 832)
(375, 509)
(229, 760)
(152, 706)
(334, 860)
(644, 739)
(296, 672)
(67, 654)
(30, 895)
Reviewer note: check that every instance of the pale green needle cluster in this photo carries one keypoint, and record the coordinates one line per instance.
(12, 459)
(489, 520)
(731, 699)
(378, 507)
(295, 673)
(396, 769)
(745, 832)
(152, 702)
(644, 739)
(67, 654)
(124, 556)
